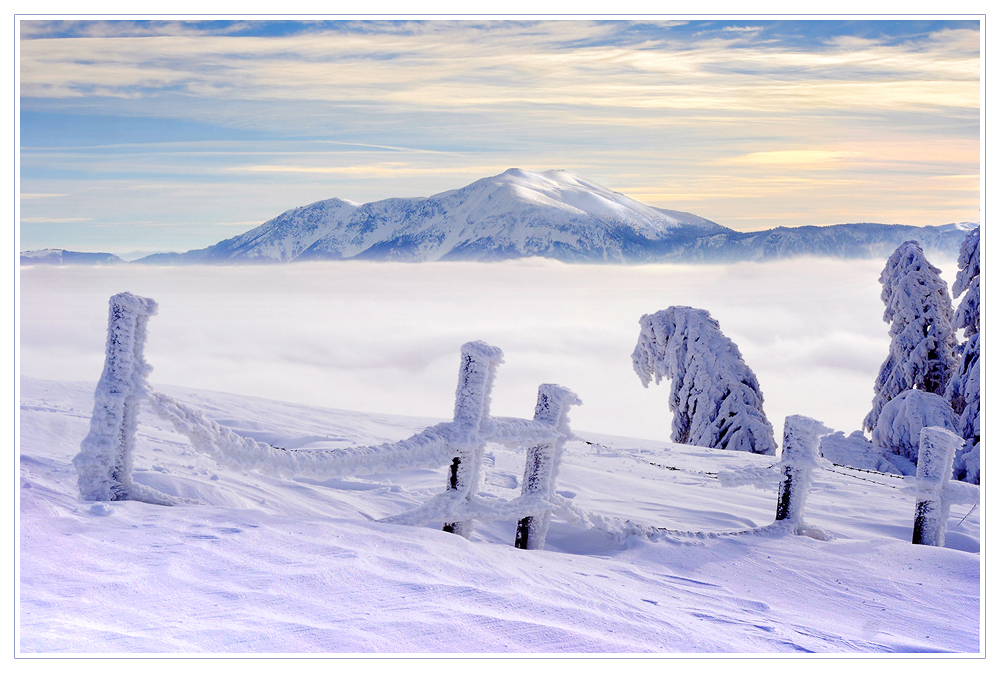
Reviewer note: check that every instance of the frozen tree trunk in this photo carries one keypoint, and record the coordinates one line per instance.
(542, 464)
(937, 453)
(104, 463)
(800, 454)
(472, 407)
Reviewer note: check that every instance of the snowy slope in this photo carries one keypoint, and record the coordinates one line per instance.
(285, 237)
(515, 214)
(269, 565)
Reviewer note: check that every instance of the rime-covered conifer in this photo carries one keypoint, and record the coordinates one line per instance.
(967, 314)
(903, 417)
(714, 395)
(918, 309)
(963, 389)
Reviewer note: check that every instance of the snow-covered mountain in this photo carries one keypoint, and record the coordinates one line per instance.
(553, 214)
(63, 257)
(515, 214)
(860, 240)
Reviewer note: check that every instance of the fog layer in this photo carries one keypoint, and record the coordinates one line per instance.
(385, 337)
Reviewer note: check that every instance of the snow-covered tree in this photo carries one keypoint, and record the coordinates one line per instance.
(715, 397)
(963, 389)
(918, 308)
(902, 419)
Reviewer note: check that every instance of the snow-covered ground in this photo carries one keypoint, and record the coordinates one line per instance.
(269, 565)
(262, 564)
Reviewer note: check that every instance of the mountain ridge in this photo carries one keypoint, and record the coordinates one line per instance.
(60, 257)
(553, 214)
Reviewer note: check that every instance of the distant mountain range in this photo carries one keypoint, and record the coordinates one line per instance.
(63, 257)
(553, 214)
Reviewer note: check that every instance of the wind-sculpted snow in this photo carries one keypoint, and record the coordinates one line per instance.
(799, 458)
(434, 447)
(856, 450)
(517, 432)
(932, 486)
(902, 419)
(452, 506)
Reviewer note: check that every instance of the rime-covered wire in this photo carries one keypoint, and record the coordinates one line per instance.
(459, 442)
(429, 448)
(620, 530)
(433, 447)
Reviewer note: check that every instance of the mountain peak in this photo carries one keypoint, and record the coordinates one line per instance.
(518, 213)
(521, 213)
(574, 195)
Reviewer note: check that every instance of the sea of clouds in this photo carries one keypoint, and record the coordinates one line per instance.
(385, 337)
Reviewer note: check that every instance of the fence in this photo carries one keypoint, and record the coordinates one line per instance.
(933, 487)
(105, 460)
(935, 490)
(104, 463)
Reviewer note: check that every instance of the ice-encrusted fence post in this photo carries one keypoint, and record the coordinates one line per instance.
(542, 464)
(104, 463)
(800, 454)
(934, 468)
(472, 408)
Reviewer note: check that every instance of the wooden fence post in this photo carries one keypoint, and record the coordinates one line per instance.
(542, 463)
(472, 407)
(800, 453)
(934, 468)
(104, 463)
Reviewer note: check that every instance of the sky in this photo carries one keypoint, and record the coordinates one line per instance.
(161, 135)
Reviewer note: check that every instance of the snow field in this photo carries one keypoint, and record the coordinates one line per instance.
(298, 565)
